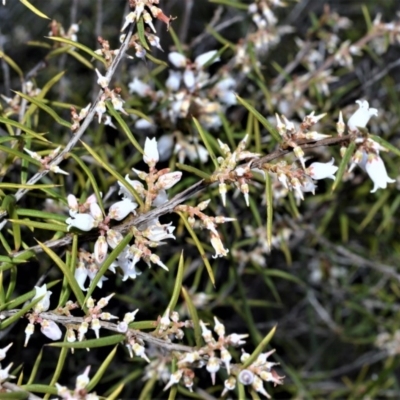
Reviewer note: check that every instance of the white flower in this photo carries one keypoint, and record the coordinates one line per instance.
(319, 170)
(102, 81)
(161, 198)
(43, 304)
(204, 58)
(81, 274)
(137, 185)
(220, 251)
(142, 123)
(84, 222)
(139, 87)
(174, 80)
(377, 172)
(159, 232)
(168, 180)
(51, 329)
(189, 79)
(114, 238)
(100, 250)
(82, 380)
(3, 351)
(165, 145)
(361, 117)
(150, 152)
(121, 209)
(178, 60)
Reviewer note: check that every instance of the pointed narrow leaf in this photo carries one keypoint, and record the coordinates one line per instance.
(199, 247)
(100, 372)
(206, 142)
(195, 318)
(124, 127)
(79, 46)
(343, 165)
(27, 4)
(260, 348)
(142, 36)
(178, 284)
(111, 257)
(114, 173)
(46, 108)
(267, 125)
(92, 343)
(67, 273)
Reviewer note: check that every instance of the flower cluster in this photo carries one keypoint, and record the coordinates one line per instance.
(206, 222)
(229, 172)
(91, 320)
(266, 35)
(189, 90)
(152, 233)
(215, 354)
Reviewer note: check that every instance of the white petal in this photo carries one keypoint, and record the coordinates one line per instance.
(376, 170)
(151, 156)
(84, 222)
(177, 59)
(204, 58)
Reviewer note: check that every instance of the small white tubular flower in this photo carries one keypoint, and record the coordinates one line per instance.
(140, 88)
(165, 146)
(377, 172)
(189, 79)
(95, 212)
(361, 117)
(161, 198)
(204, 58)
(100, 250)
(102, 81)
(151, 156)
(114, 238)
(168, 180)
(82, 380)
(4, 373)
(177, 60)
(174, 80)
(81, 274)
(72, 204)
(43, 304)
(121, 209)
(51, 329)
(159, 232)
(84, 222)
(145, 124)
(319, 170)
(137, 185)
(3, 351)
(216, 242)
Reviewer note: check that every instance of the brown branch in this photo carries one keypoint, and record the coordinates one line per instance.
(143, 336)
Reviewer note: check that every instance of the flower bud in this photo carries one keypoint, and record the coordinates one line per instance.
(51, 329)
